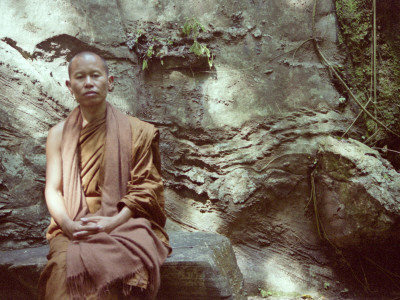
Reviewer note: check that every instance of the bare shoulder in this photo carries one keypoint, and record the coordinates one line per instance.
(55, 134)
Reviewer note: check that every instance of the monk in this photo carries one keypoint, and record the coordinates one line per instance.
(105, 196)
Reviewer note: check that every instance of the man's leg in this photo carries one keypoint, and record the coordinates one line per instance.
(52, 281)
(117, 294)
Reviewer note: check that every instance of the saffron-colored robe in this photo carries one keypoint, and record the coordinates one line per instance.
(139, 198)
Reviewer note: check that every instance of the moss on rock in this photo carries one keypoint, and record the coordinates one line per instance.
(355, 18)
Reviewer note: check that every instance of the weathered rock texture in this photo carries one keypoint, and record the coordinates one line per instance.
(238, 141)
(358, 195)
(202, 266)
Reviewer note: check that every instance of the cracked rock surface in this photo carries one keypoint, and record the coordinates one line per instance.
(238, 141)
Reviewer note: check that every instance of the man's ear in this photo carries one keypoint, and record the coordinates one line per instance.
(68, 84)
(110, 83)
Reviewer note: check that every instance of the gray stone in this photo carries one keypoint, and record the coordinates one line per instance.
(257, 33)
(202, 266)
(358, 194)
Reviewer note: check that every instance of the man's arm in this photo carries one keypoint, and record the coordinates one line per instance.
(145, 196)
(53, 190)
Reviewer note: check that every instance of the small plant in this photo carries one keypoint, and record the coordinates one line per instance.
(145, 64)
(138, 35)
(151, 47)
(149, 54)
(193, 27)
(201, 49)
(265, 293)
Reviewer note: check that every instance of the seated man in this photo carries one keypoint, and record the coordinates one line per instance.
(105, 195)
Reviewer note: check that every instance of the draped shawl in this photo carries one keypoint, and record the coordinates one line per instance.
(101, 259)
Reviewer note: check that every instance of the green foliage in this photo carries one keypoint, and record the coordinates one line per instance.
(138, 35)
(355, 18)
(200, 50)
(153, 49)
(355, 32)
(192, 27)
(150, 52)
(150, 47)
(265, 293)
(144, 65)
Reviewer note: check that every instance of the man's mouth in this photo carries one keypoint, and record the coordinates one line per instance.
(90, 93)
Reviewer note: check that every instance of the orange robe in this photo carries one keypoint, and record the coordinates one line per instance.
(91, 149)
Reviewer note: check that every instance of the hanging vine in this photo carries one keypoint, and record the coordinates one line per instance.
(368, 32)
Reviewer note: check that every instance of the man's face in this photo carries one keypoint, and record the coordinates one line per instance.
(89, 83)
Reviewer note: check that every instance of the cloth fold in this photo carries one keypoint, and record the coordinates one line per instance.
(95, 263)
(91, 157)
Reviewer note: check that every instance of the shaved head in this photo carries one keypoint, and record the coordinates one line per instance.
(84, 53)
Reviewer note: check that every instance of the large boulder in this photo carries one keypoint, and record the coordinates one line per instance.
(358, 195)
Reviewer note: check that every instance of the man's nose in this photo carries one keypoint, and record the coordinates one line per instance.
(88, 81)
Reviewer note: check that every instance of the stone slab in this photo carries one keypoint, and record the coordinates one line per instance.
(202, 266)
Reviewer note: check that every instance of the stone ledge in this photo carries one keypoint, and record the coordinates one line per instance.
(202, 266)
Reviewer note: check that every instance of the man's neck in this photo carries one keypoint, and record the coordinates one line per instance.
(90, 114)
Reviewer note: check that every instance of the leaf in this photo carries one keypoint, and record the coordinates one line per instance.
(187, 27)
(192, 27)
(211, 61)
(150, 52)
(265, 293)
(206, 51)
(327, 285)
(200, 26)
(196, 48)
(144, 65)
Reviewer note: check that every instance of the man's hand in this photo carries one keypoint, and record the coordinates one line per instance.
(92, 225)
(106, 224)
(79, 229)
(87, 226)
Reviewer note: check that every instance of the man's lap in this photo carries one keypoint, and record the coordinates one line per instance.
(53, 283)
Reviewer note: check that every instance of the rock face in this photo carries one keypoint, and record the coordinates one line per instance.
(238, 140)
(358, 194)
